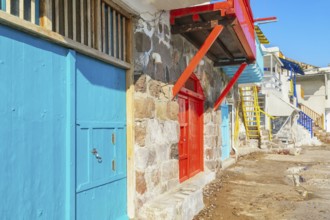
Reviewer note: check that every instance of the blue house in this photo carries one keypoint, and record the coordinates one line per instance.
(63, 110)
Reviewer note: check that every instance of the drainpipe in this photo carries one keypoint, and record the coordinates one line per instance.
(326, 85)
(294, 87)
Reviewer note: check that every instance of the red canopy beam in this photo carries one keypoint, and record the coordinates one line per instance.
(196, 59)
(229, 85)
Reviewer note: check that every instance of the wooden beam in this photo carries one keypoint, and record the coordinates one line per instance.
(46, 14)
(97, 33)
(21, 9)
(119, 37)
(89, 22)
(28, 27)
(82, 23)
(130, 128)
(124, 39)
(179, 29)
(114, 33)
(8, 6)
(33, 11)
(103, 27)
(197, 58)
(229, 86)
(66, 18)
(109, 31)
(57, 16)
(231, 62)
(116, 7)
(74, 20)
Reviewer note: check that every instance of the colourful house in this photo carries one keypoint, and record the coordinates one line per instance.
(118, 109)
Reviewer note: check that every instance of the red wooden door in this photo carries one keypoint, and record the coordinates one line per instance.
(191, 133)
(183, 142)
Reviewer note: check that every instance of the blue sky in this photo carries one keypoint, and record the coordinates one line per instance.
(302, 31)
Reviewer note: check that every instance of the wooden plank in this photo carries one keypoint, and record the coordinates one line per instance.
(46, 14)
(28, 27)
(130, 124)
(21, 9)
(57, 16)
(82, 24)
(66, 18)
(179, 29)
(109, 31)
(89, 22)
(33, 11)
(124, 39)
(119, 37)
(117, 8)
(8, 6)
(97, 32)
(74, 20)
(93, 24)
(103, 27)
(114, 33)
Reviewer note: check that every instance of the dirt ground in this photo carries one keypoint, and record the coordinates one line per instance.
(272, 186)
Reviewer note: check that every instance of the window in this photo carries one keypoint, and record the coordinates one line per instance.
(24, 9)
(98, 24)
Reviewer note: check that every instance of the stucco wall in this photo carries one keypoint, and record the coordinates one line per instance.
(314, 93)
(156, 112)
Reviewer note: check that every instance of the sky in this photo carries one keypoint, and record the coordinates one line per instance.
(302, 31)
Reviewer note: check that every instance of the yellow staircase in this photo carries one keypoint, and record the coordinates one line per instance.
(251, 111)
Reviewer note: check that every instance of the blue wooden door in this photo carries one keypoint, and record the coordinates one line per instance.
(225, 132)
(101, 141)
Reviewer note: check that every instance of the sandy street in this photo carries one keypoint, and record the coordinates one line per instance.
(272, 186)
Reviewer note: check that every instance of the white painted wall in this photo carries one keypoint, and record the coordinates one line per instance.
(314, 93)
(277, 106)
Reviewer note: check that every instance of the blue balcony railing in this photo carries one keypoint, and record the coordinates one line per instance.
(253, 73)
(306, 122)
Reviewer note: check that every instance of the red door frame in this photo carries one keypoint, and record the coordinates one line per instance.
(189, 97)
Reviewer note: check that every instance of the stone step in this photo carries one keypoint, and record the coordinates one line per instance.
(184, 202)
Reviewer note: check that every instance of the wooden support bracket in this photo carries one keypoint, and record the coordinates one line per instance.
(197, 58)
(229, 85)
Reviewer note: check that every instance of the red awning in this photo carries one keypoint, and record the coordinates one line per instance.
(235, 44)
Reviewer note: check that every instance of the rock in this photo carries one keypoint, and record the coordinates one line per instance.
(155, 88)
(140, 84)
(172, 110)
(144, 107)
(140, 133)
(141, 186)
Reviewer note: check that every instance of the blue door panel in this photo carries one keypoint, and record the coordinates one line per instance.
(33, 127)
(102, 88)
(101, 140)
(38, 96)
(225, 132)
(92, 203)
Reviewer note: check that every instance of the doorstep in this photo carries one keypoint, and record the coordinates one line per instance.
(227, 163)
(183, 202)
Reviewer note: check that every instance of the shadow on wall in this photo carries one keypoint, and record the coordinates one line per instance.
(174, 54)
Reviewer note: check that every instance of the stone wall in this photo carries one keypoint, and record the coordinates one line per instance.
(156, 112)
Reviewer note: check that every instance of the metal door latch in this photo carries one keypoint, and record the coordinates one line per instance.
(97, 156)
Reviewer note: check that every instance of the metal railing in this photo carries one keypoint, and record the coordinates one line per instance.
(317, 118)
(306, 122)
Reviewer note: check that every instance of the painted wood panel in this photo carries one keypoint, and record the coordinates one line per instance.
(48, 94)
(225, 132)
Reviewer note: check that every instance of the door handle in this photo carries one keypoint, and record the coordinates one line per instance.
(97, 156)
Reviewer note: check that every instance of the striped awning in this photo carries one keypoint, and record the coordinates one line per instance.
(261, 37)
